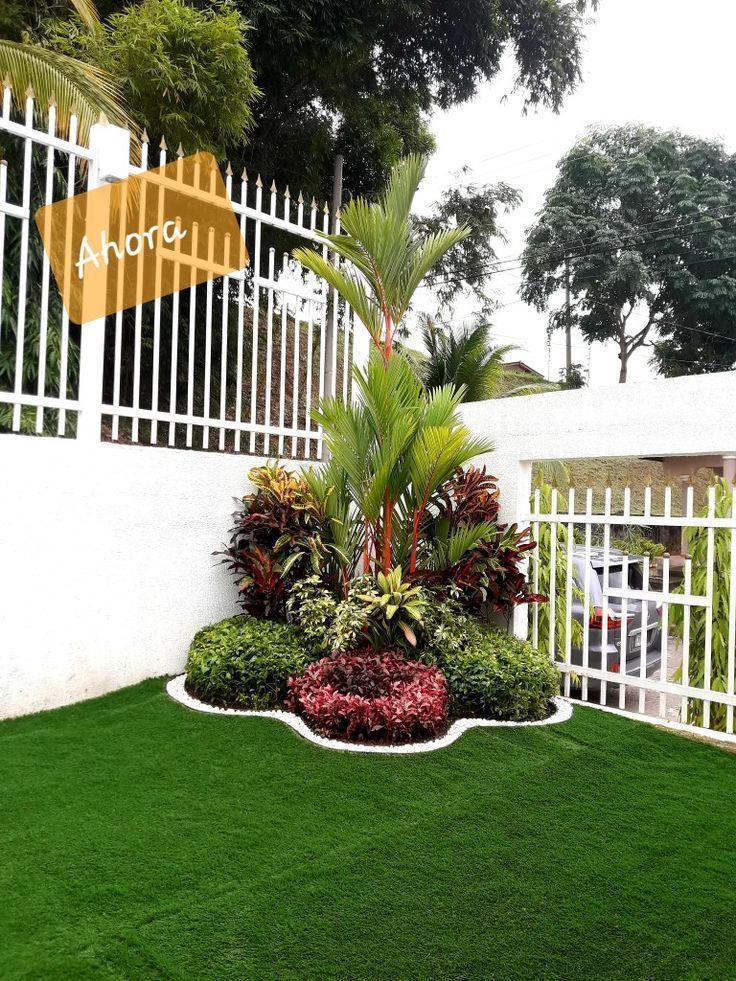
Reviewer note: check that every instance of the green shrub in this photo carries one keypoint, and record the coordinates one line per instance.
(245, 663)
(330, 624)
(500, 677)
(448, 629)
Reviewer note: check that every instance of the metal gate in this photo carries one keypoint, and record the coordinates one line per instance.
(626, 638)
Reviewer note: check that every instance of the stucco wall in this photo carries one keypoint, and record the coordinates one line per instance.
(668, 417)
(106, 569)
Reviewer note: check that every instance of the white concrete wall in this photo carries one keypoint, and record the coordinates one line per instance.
(689, 416)
(106, 569)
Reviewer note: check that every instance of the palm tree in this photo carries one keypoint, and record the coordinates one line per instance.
(386, 259)
(75, 87)
(397, 443)
(467, 357)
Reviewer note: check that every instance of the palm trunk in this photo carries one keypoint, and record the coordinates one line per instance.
(387, 514)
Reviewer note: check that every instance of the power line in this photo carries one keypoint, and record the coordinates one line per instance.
(592, 249)
(493, 156)
(580, 149)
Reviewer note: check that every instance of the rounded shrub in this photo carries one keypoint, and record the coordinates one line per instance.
(368, 697)
(245, 663)
(500, 677)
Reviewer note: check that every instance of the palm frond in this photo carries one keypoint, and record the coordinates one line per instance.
(87, 12)
(77, 88)
(388, 257)
(466, 358)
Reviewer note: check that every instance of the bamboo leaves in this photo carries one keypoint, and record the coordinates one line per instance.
(719, 615)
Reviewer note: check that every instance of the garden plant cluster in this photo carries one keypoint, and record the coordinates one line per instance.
(369, 582)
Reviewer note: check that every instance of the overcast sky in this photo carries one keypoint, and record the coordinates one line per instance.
(667, 63)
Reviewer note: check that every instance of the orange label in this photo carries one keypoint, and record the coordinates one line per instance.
(132, 241)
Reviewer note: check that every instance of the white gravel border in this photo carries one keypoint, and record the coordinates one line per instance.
(176, 690)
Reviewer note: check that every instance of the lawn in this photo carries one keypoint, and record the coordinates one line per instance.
(142, 840)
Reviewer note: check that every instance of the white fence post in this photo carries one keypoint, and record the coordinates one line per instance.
(520, 616)
(110, 148)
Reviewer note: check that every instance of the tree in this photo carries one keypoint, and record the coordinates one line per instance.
(576, 377)
(467, 360)
(646, 220)
(345, 76)
(464, 269)
(185, 73)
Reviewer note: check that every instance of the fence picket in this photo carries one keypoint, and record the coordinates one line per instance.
(23, 269)
(45, 276)
(709, 610)
(568, 588)
(137, 400)
(684, 689)
(731, 654)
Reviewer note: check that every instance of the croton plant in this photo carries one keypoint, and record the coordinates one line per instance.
(283, 534)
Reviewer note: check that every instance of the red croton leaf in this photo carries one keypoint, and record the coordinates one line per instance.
(365, 696)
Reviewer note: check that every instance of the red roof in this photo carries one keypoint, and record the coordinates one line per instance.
(521, 366)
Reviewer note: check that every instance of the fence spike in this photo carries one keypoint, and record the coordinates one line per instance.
(300, 199)
(287, 195)
(6, 82)
(30, 94)
(52, 101)
(274, 189)
(144, 136)
(313, 205)
(180, 150)
(162, 144)
(229, 170)
(326, 208)
(244, 175)
(259, 182)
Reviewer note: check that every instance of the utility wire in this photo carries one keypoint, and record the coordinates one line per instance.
(512, 263)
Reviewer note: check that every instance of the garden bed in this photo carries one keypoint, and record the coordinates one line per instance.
(176, 689)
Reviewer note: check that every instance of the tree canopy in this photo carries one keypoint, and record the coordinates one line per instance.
(463, 269)
(646, 221)
(335, 77)
(185, 73)
(357, 78)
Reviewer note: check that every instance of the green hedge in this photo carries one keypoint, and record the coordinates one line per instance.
(245, 663)
(500, 677)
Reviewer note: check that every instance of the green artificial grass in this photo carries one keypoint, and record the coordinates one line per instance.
(141, 840)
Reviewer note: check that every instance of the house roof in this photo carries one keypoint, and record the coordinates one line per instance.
(523, 367)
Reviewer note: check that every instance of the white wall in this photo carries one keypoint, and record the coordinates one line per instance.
(668, 417)
(106, 569)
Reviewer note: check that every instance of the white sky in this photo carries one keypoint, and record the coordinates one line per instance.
(667, 63)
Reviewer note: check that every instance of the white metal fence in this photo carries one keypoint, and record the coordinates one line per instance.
(627, 619)
(237, 364)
